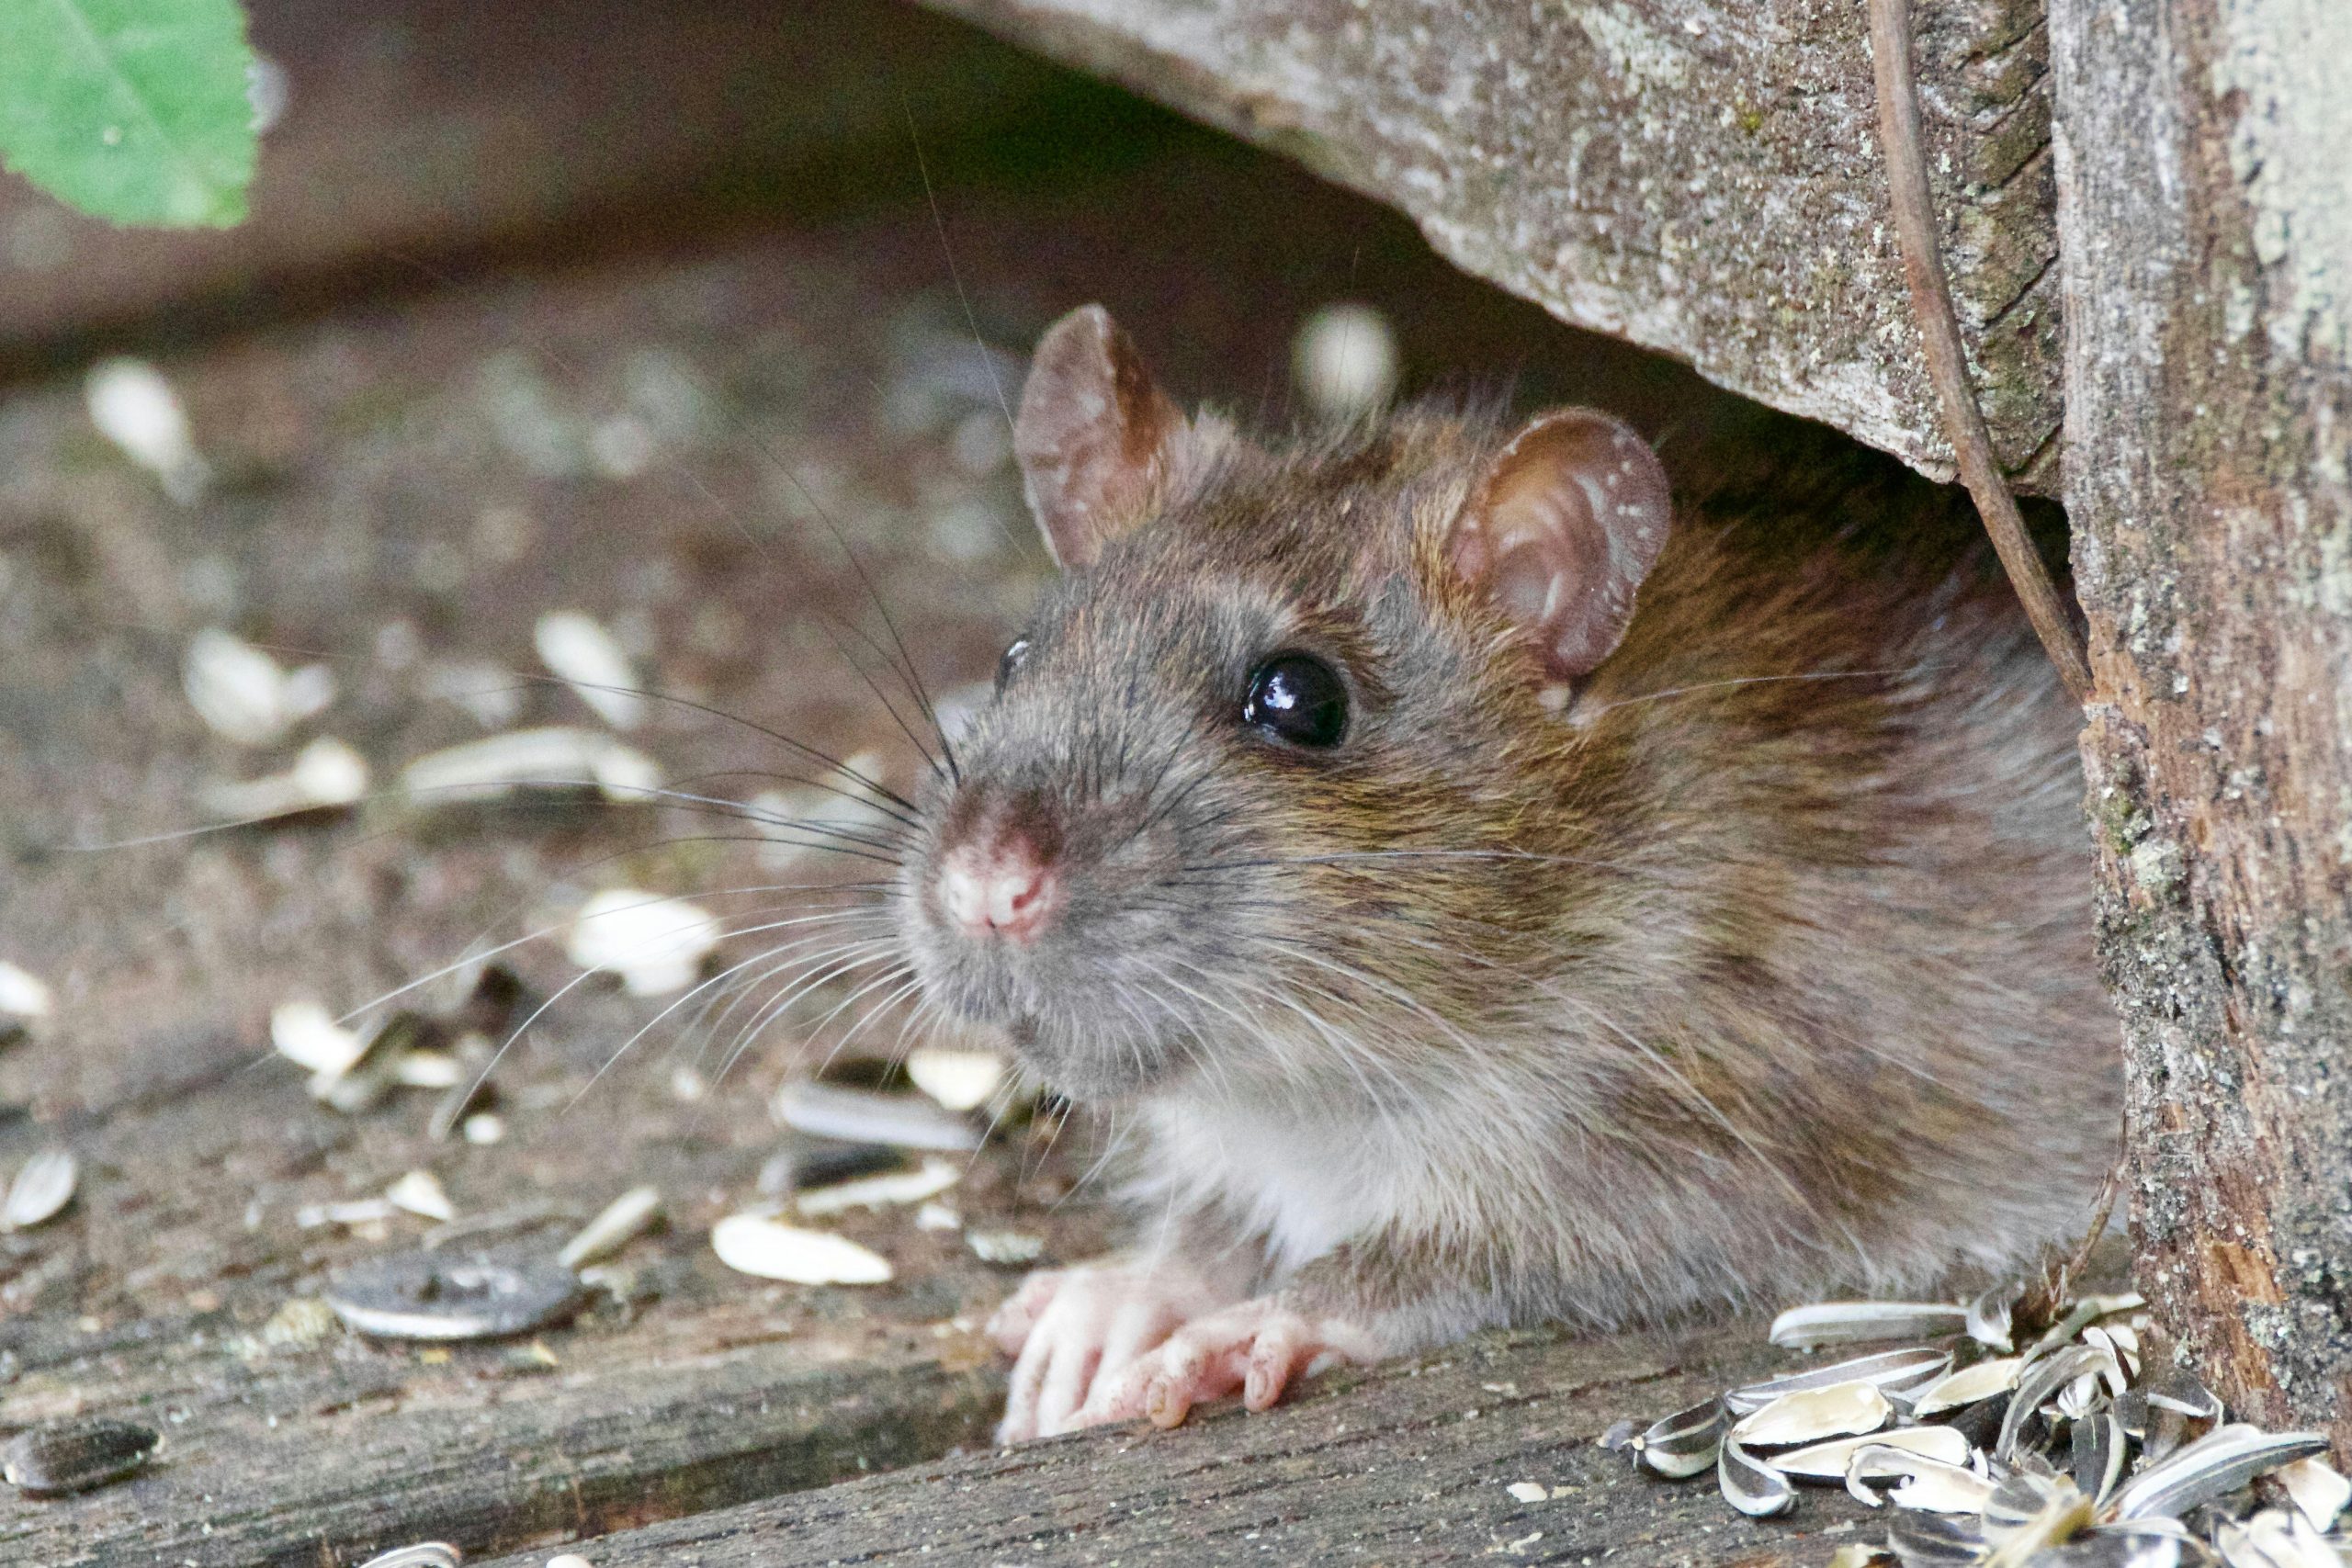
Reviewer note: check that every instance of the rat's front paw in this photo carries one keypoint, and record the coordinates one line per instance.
(1075, 1329)
(1256, 1348)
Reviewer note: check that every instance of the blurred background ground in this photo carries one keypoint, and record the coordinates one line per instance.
(643, 310)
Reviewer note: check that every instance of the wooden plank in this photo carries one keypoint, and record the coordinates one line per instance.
(1403, 1465)
(419, 134)
(2209, 270)
(1701, 179)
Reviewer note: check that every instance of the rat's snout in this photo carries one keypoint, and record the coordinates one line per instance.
(1003, 886)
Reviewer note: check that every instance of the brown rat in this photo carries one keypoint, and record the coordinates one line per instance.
(1482, 896)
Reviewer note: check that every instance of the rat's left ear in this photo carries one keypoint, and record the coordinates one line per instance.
(1561, 531)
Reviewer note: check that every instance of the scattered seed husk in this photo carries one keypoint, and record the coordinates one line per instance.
(938, 1217)
(136, 408)
(2219, 1463)
(429, 1068)
(353, 1212)
(2099, 1450)
(44, 1185)
(1986, 1380)
(1886, 1370)
(1752, 1487)
(2177, 1391)
(1684, 1443)
(421, 1193)
(246, 695)
(959, 1079)
(441, 1296)
(579, 649)
(1528, 1491)
(829, 1110)
(2030, 1512)
(1934, 1541)
(306, 1035)
(655, 945)
(820, 1162)
(1811, 1414)
(1852, 1323)
(1987, 1320)
(754, 1244)
(2318, 1490)
(1832, 1459)
(555, 758)
(61, 1456)
(568, 1560)
(327, 775)
(2276, 1539)
(621, 1222)
(360, 1087)
(2039, 1382)
(423, 1554)
(928, 1180)
(1007, 1249)
(1929, 1487)
(25, 998)
(484, 1127)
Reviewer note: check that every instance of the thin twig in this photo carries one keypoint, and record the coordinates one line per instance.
(1922, 267)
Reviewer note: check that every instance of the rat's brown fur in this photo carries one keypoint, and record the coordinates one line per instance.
(1764, 967)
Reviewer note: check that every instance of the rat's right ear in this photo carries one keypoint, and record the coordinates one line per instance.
(1095, 438)
(1561, 531)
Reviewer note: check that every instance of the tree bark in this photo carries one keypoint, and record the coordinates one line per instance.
(2205, 189)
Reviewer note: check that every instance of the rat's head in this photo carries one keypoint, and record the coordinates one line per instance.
(1276, 749)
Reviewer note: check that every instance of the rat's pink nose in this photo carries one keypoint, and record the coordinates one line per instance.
(1004, 888)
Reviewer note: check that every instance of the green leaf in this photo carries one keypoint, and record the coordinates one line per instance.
(134, 110)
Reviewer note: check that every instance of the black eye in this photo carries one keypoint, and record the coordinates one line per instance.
(1014, 654)
(1298, 698)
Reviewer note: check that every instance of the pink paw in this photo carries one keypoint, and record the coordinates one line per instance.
(1256, 1347)
(1074, 1329)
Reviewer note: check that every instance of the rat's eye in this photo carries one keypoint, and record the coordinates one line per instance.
(1013, 655)
(1298, 698)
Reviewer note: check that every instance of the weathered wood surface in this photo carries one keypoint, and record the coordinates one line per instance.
(421, 133)
(2208, 223)
(1698, 178)
(1402, 1465)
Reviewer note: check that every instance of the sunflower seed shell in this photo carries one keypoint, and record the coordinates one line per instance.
(1810, 1416)
(1986, 1380)
(753, 1243)
(423, 1554)
(865, 1116)
(2318, 1492)
(1833, 1460)
(73, 1456)
(437, 1296)
(2219, 1463)
(620, 1221)
(1886, 1370)
(928, 1180)
(1684, 1443)
(1752, 1487)
(42, 1188)
(1852, 1323)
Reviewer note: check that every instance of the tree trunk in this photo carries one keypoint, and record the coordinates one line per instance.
(2205, 185)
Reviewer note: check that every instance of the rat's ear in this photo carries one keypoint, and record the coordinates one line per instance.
(1094, 438)
(1562, 530)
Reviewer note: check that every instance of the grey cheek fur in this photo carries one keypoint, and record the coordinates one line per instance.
(1118, 996)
